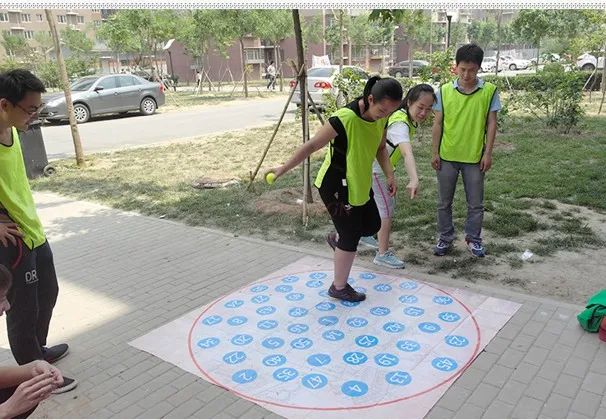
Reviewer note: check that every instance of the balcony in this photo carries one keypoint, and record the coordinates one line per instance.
(17, 28)
(72, 12)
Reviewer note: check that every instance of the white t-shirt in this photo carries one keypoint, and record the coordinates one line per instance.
(271, 70)
(397, 133)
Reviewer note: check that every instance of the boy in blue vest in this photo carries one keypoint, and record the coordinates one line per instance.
(464, 131)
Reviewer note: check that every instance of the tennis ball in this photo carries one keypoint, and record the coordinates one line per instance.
(270, 177)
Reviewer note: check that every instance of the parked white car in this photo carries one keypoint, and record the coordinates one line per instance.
(516, 63)
(587, 61)
(489, 64)
(320, 80)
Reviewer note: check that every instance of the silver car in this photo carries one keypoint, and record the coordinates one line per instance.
(97, 95)
(320, 80)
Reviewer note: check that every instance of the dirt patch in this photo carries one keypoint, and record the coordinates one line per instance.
(288, 201)
(504, 146)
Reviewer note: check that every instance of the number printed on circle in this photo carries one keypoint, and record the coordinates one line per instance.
(283, 288)
(328, 321)
(298, 328)
(285, 374)
(368, 276)
(266, 310)
(212, 320)
(398, 378)
(449, 317)
(294, 297)
(274, 360)
(354, 388)
(409, 299)
(259, 288)
(333, 335)
(445, 364)
(380, 311)
(409, 285)
(456, 340)
(367, 341)
(318, 276)
(242, 340)
(298, 312)
(260, 299)
(414, 311)
(394, 327)
(234, 304)
(208, 342)
(290, 279)
(267, 324)
(234, 357)
(244, 376)
(237, 320)
(302, 343)
(386, 359)
(314, 381)
(355, 358)
(442, 300)
(357, 322)
(351, 304)
(429, 327)
(319, 360)
(408, 346)
(314, 284)
(382, 287)
(325, 306)
(273, 343)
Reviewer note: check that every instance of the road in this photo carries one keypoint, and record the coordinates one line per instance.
(115, 132)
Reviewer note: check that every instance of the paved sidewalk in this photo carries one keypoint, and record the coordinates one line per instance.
(122, 275)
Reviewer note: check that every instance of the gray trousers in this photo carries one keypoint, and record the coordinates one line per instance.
(473, 183)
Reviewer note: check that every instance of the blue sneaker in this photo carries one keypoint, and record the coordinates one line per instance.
(476, 248)
(441, 248)
(369, 241)
(388, 260)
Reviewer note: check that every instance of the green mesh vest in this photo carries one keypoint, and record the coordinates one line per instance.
(362, 143)
(399, 116)
(465, 120)
(16, 196)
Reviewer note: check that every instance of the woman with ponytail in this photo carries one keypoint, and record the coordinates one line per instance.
(356, 135)
(402, 124)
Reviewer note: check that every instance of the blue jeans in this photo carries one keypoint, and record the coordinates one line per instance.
(473, 183)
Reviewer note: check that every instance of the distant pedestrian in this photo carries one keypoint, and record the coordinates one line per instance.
(271, 74)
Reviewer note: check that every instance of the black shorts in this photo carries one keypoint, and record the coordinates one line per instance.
(351, 222)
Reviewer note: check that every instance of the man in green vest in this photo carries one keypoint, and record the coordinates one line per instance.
(24, 249)
(464, 131)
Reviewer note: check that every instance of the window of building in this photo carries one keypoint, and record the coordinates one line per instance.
(26, 17)
(3, 17)
(39, 18)
(95, 10)
(28, 34)
(253, 55)
(62, 18)
(80, 19)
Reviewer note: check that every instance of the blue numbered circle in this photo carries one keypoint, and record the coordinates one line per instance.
(409, 299)
(355, 358)
(208, 342)
(442, 300)
(259, 288)
(298, 312)
(285, 374)
(445, 364)
(368, 276)
(259, 299)
(319, 359)
(242, 340)
(325, 306)
(354, 388)
(350, 304)
(266, 310)
(398, 378)
(360, 289)
(318, 276)
(212, 320)
(333, 335)
(357, 322)
(237, 320)
(386, 359)
(380, 311)
(382, 287)
(267, 324)
(351, 280)
(408, 346)
(429, 327)
(290, 279)
(394, 327)
(298, 328)
(314, 284)
(409, 285)
(294, 297)
(324, 293)
(328, 321)
(414, 311)
(283, 288)
(456, 341)
(234, 304)
(244, 376)
(274, 360)
(314, 381)
(449, 317)
(367, 341)
(234, 357)
(273, 343)
(302, 343)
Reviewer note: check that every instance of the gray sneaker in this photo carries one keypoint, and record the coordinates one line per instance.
(388, 260)
(369, 241)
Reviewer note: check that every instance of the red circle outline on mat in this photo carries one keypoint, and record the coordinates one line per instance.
(418, 394)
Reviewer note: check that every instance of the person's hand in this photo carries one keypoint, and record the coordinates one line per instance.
(392, 187)
(413, 189)
(435, 162)
(40, 367)
(486, 163)
(29, 394)
(9, 232)
(276, 171)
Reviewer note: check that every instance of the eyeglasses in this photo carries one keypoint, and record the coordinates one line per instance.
(31, 113)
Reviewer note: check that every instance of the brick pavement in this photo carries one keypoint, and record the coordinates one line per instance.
(122, 275)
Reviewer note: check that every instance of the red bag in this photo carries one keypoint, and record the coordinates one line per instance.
(602, 330)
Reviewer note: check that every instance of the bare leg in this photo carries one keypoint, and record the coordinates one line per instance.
(343, 263)
(383, 236)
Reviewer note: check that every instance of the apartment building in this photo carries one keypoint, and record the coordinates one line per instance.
(28, 22)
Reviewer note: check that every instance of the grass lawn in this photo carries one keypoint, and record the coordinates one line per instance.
(545, 192)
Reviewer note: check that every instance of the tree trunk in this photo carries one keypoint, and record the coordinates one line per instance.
(244, 65)
(410, 48)
(367, 58)
(341, 39)
(496, 69)
(603, 79)
(68, 95)
(349, 52)
(279, 64)
(304, 111)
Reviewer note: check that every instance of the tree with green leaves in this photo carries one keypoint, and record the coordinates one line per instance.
(116, 34)
(275, 26)
(411, 25)
(16, 47)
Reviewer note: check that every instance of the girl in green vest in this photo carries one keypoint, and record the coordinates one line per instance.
(357, 135)
(416, 107)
